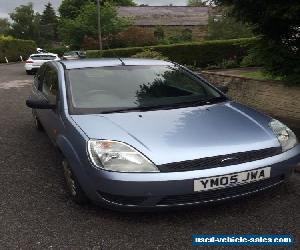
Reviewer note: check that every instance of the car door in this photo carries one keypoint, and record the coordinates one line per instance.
(49, 87)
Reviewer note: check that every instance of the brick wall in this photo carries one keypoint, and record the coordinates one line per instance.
(271, 97)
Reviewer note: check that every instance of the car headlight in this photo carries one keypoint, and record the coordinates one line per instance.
(285, 136)
(119, 157)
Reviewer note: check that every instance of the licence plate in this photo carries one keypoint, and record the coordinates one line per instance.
(223, 181)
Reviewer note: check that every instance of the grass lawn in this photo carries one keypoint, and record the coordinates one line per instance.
(259, 75)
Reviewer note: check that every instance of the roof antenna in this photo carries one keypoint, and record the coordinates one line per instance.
(115, 55)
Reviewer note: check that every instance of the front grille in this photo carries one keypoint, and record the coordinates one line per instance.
(123, 200)
(215, 195)
(220, 161)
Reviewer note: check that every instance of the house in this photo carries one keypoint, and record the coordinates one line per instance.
(173, 19)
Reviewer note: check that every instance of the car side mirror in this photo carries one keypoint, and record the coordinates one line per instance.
(39, 103)
(223, 89)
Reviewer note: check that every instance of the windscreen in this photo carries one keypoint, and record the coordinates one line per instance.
(110, 88)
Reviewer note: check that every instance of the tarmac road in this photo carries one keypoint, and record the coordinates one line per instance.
(37, 213)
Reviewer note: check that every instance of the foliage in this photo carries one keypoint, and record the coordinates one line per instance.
(258, 75)
(252, 59)
(279, 60)
(225, 64)
(26, 24)
(134, 37)
(196, 54)
(159, 33)
(186, 34)
(197, 3)
(23, 21)
(277, 22)
(48, 24)
(48, 16)
(150, 53)
(70, 9)
(58, 50)
(223, 26)
(74, 31)
(121, 2)
(90, 43)
(14, 48)
(4, 26)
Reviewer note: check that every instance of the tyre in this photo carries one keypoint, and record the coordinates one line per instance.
(29, 72)
(74, 188)
(38, 125)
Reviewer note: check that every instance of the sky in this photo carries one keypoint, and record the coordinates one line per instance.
(7, 6)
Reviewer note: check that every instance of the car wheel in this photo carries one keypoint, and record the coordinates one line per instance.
(37, 123)
(73, 185)
(29, 72)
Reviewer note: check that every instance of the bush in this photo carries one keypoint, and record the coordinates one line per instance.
(196, 54)
(91, 43)
(149, 53)
(187, 35)
(12, 49)
(279, 60)
(225, 64)
(159, 33)
(58, 50)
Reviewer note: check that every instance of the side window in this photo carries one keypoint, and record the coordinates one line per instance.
(39, 77)
(50, 84)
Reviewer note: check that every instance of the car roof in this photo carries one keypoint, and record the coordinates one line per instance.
(43, 54)
(74, 51)
(110, 62)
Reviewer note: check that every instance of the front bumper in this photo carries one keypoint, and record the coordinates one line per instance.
(158, 190)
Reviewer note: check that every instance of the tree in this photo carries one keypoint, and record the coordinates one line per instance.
(48, 24)
(223, 26)
(197, 3)
(49, 15)
(23, 21)
(4, 26)
(121, 2)
(277, 23)
(71, 8)
(74, 31)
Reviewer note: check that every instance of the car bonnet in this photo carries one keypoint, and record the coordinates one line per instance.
(176, 135)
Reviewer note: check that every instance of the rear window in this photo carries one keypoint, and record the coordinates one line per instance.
(43, 57)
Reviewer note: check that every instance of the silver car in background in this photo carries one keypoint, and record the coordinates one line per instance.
(74, 55)
(145, 134)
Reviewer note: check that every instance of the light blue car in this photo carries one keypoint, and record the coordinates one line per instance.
(143, 134)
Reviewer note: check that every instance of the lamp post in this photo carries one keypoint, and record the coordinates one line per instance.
(99, 24)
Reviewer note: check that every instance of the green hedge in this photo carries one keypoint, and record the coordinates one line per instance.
(59, 50)
(199, 54)
(12, 49)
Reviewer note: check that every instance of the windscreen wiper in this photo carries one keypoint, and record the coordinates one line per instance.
(157, 107)
(166, 106)
(216, 100)
(142, 108)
